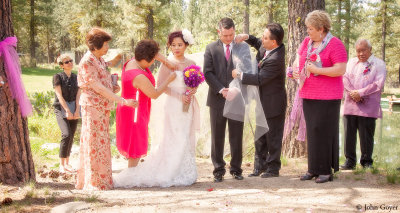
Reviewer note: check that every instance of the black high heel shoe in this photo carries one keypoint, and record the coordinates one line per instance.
(307, 176)
(324, 178)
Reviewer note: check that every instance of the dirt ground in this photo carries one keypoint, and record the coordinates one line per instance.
(281, 194)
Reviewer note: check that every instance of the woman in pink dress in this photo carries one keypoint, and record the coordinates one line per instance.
(322, 60)
(132, 137)
(96, 100)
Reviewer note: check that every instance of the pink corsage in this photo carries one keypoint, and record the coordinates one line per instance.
(367, 68)
(315, 58)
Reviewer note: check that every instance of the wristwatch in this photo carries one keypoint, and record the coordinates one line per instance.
(238, 74)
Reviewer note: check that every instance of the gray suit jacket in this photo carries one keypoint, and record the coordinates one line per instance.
(218, 73)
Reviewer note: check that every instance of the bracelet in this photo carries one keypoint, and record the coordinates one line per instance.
(123, 101)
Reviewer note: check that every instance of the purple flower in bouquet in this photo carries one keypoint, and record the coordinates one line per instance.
(192, 76)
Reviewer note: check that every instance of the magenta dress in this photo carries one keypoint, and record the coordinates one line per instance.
(132, 138)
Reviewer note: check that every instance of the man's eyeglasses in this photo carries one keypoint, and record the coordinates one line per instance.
(66, 62)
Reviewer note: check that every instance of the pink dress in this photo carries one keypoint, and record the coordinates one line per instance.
(94, 171)
(132, 138)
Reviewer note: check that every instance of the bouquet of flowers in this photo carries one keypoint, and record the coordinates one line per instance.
(193, 77)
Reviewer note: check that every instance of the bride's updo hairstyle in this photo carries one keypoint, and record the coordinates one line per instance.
(176, 34)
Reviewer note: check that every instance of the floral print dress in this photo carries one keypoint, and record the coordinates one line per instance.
(94, 171)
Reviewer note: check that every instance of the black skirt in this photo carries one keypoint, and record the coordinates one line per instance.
(322, 121)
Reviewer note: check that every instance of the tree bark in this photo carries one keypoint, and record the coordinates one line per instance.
(32, 34)
(246, 24)
(99, 18)
(348, 24)
(150, 23)
(384, 20)
(298, 10)
(48, 45)
(339, 19)
(16, 164)
(270, 11)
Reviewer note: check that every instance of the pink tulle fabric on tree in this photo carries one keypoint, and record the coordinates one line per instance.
(13, 71)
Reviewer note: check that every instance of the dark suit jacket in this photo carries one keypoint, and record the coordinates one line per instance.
(270, 78)
(218, 73)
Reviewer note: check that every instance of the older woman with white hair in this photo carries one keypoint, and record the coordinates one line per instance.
(66, 108)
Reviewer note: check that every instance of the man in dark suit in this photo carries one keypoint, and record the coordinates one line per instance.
(218, 68)
(271, 81)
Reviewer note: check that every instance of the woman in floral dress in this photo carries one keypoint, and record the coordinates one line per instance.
(97, 99)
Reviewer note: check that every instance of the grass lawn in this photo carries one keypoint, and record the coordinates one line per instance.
(38, 79)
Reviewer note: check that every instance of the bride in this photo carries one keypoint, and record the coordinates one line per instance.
(172, 161)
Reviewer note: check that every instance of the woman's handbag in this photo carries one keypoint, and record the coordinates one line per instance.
(72, 107)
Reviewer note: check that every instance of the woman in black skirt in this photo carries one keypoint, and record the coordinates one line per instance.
(322, 62)
(66, 108)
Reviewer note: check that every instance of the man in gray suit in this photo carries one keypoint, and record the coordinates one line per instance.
(218, 68)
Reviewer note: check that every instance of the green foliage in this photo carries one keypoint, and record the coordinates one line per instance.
(42, 102)
(92, 198)
(392, 176)
(359, 170)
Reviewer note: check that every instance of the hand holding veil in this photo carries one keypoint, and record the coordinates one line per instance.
(243, 101)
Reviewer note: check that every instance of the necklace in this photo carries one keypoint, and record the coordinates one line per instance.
(316, 45)
(139, 66)
(182, 60)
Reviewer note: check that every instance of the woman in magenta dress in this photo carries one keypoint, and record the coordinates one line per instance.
(322, 60)
(132, 137)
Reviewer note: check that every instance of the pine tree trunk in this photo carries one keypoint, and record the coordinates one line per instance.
(16, 164)
(348, 24)
(150, 24)
(246, 24)
(384, 17)
(270, 11)
(99, 19)
(339, 19)
(298, 10)
(32, 35)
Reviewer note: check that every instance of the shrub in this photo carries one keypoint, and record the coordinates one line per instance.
(42, 102)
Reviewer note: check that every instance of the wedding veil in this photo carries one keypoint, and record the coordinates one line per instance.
(243, 101)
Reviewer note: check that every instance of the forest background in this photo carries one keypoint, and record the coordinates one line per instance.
(46, 28)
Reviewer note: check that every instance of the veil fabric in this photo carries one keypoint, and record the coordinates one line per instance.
(243, 101)
(13, 71)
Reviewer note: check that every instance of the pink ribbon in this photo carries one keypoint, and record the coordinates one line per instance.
(13, 71)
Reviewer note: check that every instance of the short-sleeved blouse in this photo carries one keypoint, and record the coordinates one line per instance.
(323, 87)
(90, 70)
(69, 87)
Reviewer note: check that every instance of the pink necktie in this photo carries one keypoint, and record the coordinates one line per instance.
(228, 53)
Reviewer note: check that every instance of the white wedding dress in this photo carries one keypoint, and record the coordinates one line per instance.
(172, 162)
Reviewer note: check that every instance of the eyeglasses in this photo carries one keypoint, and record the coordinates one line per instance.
(67, 62)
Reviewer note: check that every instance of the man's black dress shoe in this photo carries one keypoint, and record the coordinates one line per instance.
(255, 173)
(307, 176)
(237, 176)
(269, 175)
(324, 178)
(347, 166)
(218, 178)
